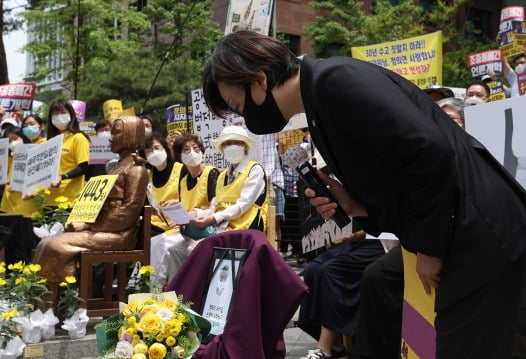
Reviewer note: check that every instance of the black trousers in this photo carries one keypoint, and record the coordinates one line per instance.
(380, 314)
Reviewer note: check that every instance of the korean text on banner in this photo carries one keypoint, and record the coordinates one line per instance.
(497, 90)
(18, 169)
(43, 162)
(4, 145)
(178, 119)
(249, 15)
(91, 200)
(481, 63)
(418, 316)
(100, 150)
(17, 96)
(80, 109)
(112, 109)
(418, 59)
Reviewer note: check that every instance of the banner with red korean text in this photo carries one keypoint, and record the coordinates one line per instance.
(179, 119)
(249, 15)
(512, 31)
(418, 59)
(484, 62)
(17, 96)
(418, 316)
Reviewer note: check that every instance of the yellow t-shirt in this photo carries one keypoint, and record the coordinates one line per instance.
(170, 190)
(75, 150)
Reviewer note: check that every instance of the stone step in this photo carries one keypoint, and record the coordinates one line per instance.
(62, 347)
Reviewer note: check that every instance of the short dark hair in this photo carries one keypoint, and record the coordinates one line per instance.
(35, 117)
(148, 117)
(17, 131)
(180, 141)
(518, 57)
(239, 58)
(101, 124)
(157, 136)
(480, 83)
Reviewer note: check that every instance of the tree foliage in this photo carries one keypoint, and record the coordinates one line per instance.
(120, 49)
(345, 24)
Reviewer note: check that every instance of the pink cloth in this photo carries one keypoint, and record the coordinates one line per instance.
(267, 296)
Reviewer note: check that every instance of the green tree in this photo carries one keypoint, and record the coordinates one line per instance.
(345, 24)
(121, 61)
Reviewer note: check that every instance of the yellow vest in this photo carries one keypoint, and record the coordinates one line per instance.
(170, 190)
(196, 197)
(227, 195)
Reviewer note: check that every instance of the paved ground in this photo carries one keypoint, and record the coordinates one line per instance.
(297, 342)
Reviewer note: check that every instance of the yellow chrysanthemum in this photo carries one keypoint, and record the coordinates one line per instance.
(150, 324)
(138, 356)
(160, 338)
(70, 279)
(131, 309)
(43, 280)
(129, 332)
(20, 280)
(38, 189)
(136, 339)
(170, 341)
(157, 351)
(36, 215)
(63, 205)
(61, 199)
(146, 269)
(63, 284)
(132, 320)
(26, 271)
(10, 314)
(2, 267)
(140, 348)
(2, 281)
(19, 266)
(35, 267)
(180, 350)
(170, 304)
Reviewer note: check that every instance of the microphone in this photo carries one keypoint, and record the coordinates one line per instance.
(298, 158)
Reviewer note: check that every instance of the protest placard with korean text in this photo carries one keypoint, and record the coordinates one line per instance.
(179, 119)
(17, 96)
(481, 63)
(90, 201)
(42, 165)
(4, 151)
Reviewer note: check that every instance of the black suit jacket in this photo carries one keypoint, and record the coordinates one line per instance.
(418, 174)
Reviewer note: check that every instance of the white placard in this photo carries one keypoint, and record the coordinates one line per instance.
(18, 171)
(4, 151)
(219, 294)
(501, 127)
(100, 150)
(177, 213)
(43, 162)
(208, 126)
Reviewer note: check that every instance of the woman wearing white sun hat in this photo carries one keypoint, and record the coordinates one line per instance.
(240, 201)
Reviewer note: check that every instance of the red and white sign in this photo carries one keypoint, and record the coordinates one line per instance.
(512, 13)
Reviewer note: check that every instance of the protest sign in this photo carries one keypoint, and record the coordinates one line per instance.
(4, 151)
(481, 63)
(100, 150)
(112, 109)
(43, 162)
(521, 78)
(418, 315)
(88, 127)
(496, 90)
(91, 200)
(512, 13)
(178, 119)
(17, 96)
(18, 171)
(80, 109)
(501, 129)
(249, 15)
(418, 59)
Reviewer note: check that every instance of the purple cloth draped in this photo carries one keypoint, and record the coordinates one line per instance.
(266, 298)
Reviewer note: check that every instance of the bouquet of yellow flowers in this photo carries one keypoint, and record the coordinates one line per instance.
(155, 326)
(50, 217)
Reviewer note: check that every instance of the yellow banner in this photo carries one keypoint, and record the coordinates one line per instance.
(418, 59)
(92, 198)
(112, 109)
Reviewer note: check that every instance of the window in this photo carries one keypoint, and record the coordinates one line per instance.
(292, 42)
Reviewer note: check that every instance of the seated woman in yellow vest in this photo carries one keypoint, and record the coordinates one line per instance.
(240, 201)
(165, 174)
(196, 190)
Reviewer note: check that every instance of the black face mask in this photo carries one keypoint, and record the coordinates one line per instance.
(264, 118)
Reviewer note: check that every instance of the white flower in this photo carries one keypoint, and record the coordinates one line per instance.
(165, 314)
(123, 350)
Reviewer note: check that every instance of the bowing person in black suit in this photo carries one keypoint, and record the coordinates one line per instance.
(404, 167)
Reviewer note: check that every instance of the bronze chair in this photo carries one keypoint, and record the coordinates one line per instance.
(107, 306)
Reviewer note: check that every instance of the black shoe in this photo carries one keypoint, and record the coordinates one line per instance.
(340, 353)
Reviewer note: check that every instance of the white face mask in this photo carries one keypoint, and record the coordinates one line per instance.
(104, 134)
(13, 144)
(61, 121)
(147, 132)
(520, 68)
(157, 157)
(234, 153)
(474, 100)
(192, 159)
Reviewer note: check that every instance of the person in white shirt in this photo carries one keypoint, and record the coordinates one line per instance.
(240, 201)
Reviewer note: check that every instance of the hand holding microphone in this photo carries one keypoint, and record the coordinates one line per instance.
(323, 198)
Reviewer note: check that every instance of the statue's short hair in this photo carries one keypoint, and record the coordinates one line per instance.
(133, 132)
